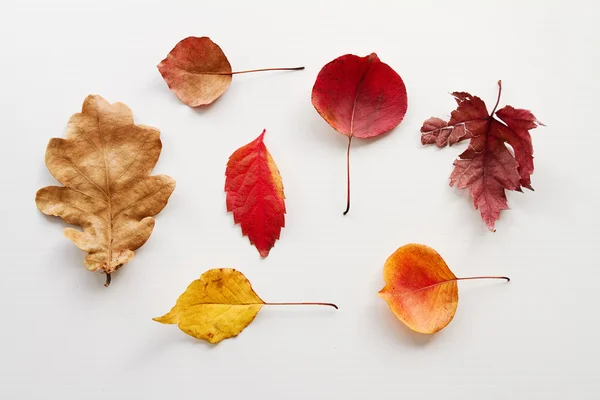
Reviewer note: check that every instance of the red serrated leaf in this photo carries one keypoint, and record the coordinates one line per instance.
(255, 194)
(487, 167)
(359, 97)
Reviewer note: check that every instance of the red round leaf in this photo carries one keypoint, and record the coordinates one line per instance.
(360, 96)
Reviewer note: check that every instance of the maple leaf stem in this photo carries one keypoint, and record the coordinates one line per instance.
(254, 70)
(302, 304)
(483, 277)
(108, 278)
(348, 176)
(497, 100)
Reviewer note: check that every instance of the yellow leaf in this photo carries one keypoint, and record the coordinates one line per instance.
(105, 164)
(218, 306)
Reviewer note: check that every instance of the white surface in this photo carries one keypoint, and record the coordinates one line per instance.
(65, 336)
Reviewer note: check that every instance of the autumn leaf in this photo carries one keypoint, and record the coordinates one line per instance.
(359, 97)
(105, 164)
(218, 306)
(420, 288)
(255, 194)
(487, 167)
(198, 72)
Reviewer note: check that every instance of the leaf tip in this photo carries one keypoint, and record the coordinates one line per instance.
(167, 319)
(490, 223)
(261, 137)
(212, 340)
(264, 253)
(373, 57)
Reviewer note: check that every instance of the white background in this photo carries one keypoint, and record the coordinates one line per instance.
(64, 335)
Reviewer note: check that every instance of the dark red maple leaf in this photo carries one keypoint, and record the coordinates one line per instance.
(488, 167)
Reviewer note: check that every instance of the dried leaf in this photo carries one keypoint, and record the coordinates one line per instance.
(487, 167)
(255, 194)
(359, 97)
(218, 306)
(420, 288)
(104, 165)
(198, 71)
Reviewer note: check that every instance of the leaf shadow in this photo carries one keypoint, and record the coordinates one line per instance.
(461, 202)
(395, 329)
(160, 85)
(203, 109)
(158, 345)
(73, 258)
(67, 248)
(281, 313)
(479, 288)
(184, 338)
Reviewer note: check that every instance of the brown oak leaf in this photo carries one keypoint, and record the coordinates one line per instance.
(105, 164)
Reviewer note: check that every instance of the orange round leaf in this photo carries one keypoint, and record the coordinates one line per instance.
(420, 288)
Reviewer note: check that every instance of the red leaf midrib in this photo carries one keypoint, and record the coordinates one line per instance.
(358, 87)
